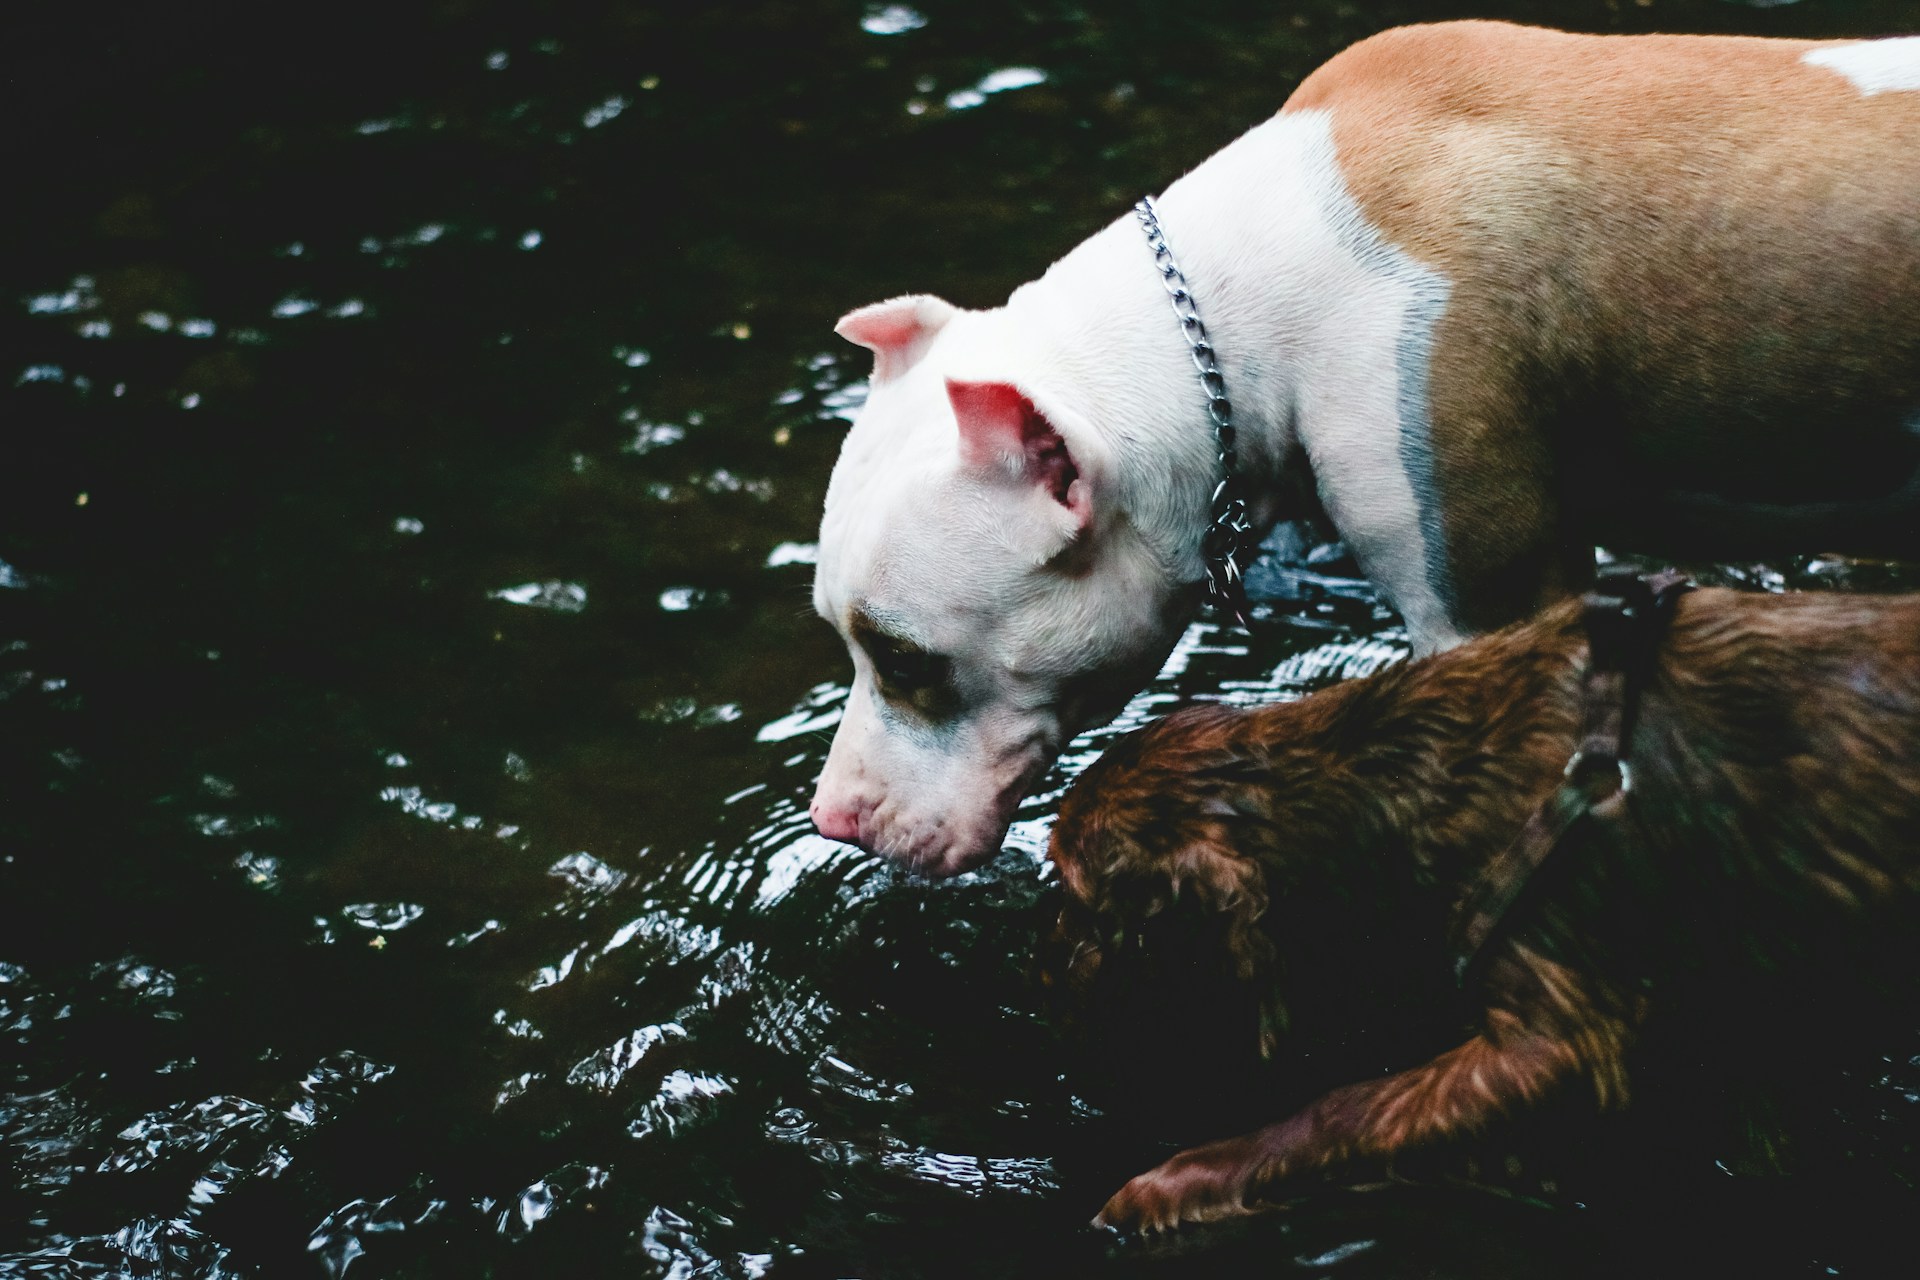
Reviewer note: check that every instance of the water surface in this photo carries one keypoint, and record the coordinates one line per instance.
(414, 429)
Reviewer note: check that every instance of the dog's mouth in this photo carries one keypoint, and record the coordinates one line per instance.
(988, 838)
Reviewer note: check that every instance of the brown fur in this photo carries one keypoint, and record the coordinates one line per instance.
(1685, 307)
(1775, 811)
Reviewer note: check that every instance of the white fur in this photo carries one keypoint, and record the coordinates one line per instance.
(1874, 66)
(1322, 331)
(1345, 319)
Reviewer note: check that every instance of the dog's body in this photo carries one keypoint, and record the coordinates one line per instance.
(1496, 292)
(1773, 820)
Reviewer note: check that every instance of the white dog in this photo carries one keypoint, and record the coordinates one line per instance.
(1500, 292)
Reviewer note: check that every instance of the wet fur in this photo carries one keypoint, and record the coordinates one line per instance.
(1772, 827)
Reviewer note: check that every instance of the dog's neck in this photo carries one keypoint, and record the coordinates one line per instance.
(1247, 227)
(1320, 328)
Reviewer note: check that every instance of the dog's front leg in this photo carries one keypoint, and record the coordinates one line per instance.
(1502, 1071)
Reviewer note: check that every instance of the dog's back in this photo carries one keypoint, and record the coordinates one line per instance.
(1776, 762)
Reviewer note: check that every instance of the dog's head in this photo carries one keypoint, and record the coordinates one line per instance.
(1165, 903)
(979, 561)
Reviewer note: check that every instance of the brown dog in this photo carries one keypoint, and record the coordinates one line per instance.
(1773, 814)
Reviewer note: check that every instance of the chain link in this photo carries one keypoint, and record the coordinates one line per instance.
(1229, 543)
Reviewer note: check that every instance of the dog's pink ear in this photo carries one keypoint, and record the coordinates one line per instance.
(896, 331)
(999, 427)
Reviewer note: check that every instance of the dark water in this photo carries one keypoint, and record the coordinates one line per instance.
(416, 417)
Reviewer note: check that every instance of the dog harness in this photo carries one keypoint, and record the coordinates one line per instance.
(1626, 616)
(1229, 543)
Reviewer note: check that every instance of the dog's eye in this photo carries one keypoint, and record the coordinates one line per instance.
(909, 670)
(908, 675)
(914, 678)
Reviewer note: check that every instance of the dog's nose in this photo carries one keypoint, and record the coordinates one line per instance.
(834, 822)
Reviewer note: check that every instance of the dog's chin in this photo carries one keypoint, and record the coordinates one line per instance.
(952, 848)
(944, 864)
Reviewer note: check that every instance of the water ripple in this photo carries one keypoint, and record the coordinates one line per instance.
(340, 1237)
(553, 595)
(148, 1247)
(668, 1240)
(683, 1099)
(539, 1200)
(891, 20)
(603, 1071)
(820, 711)
(972, 1175)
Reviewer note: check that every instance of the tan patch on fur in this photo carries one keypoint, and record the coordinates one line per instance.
(1701, 241)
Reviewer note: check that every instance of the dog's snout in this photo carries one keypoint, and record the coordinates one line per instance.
(835, 822)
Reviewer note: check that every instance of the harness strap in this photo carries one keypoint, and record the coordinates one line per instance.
(1626, 616)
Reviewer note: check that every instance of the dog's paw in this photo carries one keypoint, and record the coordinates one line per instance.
(1203, 1185)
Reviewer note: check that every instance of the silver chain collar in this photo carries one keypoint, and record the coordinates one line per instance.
(1229, 543)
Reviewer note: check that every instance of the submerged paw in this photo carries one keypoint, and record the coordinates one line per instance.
(1183, 1190)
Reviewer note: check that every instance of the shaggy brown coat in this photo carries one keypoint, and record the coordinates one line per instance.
(1774, 813)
